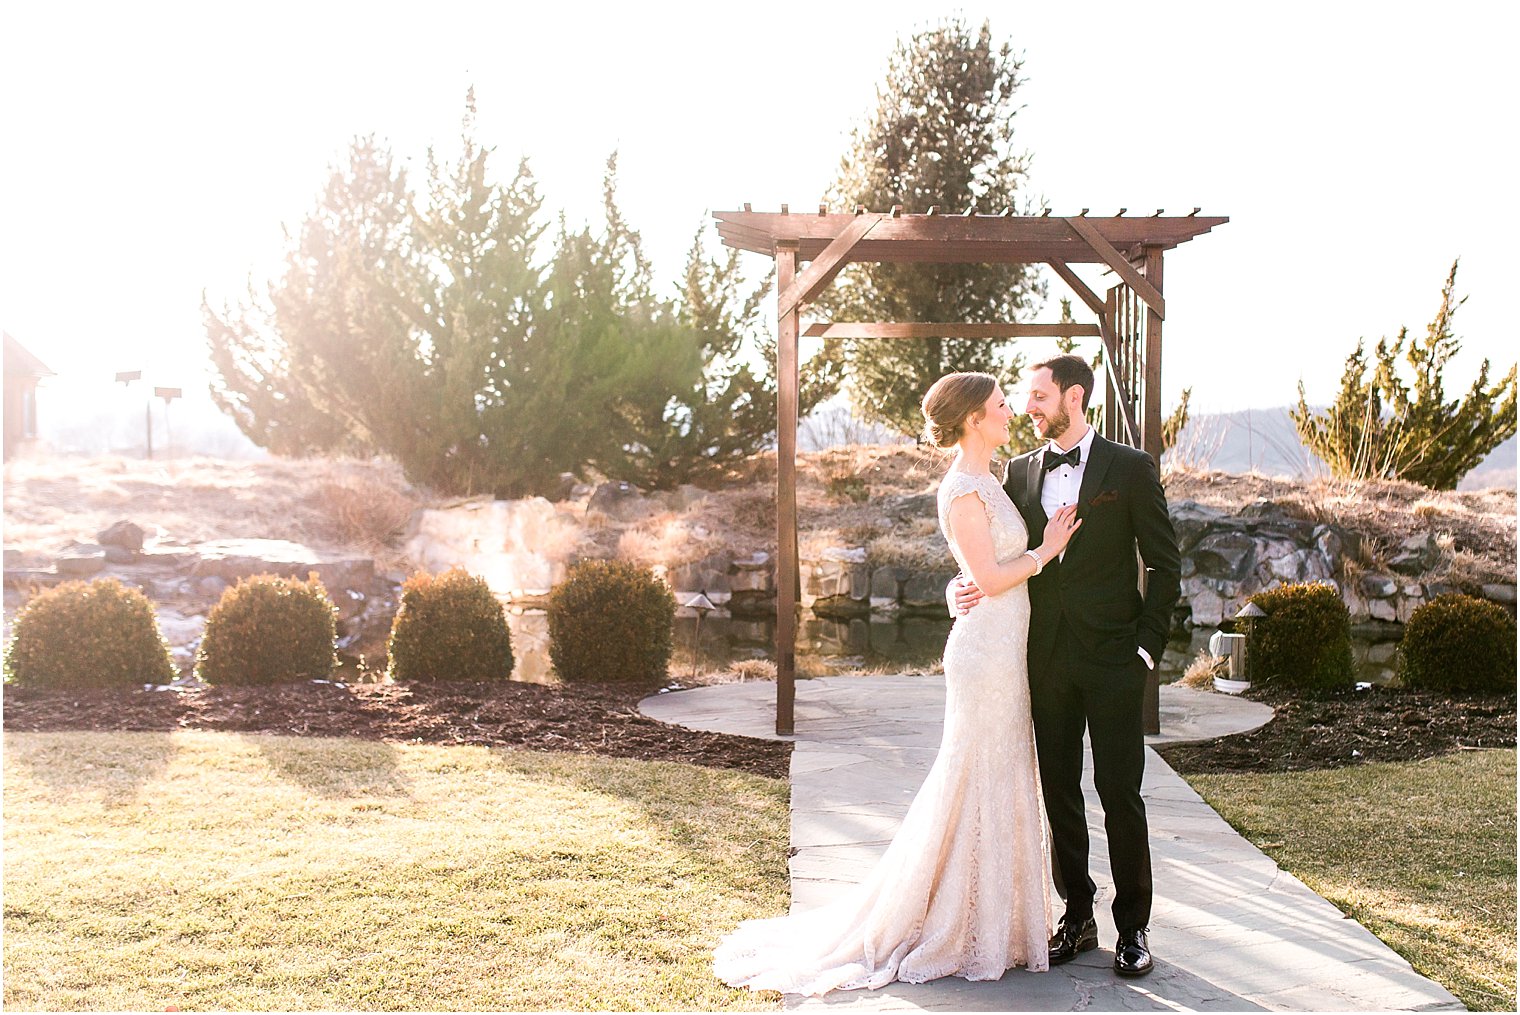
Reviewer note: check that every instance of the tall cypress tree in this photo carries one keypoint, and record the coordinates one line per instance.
(941, 135)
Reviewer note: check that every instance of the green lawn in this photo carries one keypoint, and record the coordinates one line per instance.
(1421, 853)
(218, 871)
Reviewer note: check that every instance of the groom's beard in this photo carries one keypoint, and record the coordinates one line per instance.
(1057, 424)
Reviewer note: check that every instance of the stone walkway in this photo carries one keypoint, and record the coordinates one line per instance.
(1231, 932)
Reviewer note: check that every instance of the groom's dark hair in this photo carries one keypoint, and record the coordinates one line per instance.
(1067, 370)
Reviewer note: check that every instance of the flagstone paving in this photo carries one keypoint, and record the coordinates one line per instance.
(1229, 929)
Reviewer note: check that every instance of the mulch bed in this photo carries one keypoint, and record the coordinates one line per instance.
(1351, 728)
(1380, 724)
(586, 720)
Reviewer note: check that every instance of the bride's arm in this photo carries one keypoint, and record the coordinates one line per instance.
(973, 534)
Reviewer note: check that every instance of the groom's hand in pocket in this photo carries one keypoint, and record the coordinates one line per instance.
(961, 594)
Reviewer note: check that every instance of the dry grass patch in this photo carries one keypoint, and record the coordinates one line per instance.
(1422, 853)
(1475, 528)
(214, 871)
(329, 504)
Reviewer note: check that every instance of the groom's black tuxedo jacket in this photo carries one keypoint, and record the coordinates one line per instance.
(1094, 589)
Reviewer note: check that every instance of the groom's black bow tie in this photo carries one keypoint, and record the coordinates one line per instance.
(1071, 458)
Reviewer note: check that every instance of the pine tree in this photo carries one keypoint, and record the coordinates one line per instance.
(293, 367)
(427, 330)
(941, 136)
(1380, 427)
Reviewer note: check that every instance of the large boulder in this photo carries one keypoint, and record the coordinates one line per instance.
(620, 501)
(232, 559)
(1225, 555)
(123, 534)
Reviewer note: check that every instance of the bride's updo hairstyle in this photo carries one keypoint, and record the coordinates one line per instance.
(950, 401)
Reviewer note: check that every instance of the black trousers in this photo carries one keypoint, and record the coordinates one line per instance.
(1068, 694)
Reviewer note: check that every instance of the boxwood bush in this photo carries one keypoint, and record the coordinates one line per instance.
(1458, 643)
(611, 620)
(1304, 641)
(449, 627)
(88, 634)
(269, 630)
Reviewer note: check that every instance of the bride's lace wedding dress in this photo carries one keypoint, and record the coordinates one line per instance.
(964, 888)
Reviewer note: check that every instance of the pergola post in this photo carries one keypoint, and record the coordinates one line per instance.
(1150, 429)
(1150, 423)
(788, 571)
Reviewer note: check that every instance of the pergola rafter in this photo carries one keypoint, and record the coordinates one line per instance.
(1129, 319)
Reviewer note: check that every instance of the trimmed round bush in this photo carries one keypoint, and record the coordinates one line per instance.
(1304, 641)
(611, 620)
(269, 630)
(1458, 643)
(449, 627)
(88, 634)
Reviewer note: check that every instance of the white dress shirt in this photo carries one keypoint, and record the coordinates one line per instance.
(1064, 482)
(1062, 486)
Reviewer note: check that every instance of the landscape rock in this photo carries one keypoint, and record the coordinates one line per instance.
(233, 559)
(886, 588)
(710, 575)
(619, 500)
(1228, 555)
(119, 555)
(1500, 594)
(1192, 520)
(913, 506)
(125, 534)
(81, 560)
(1416, 555)
(1208, 608)
(925, 592)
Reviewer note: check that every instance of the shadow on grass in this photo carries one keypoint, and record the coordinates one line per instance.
(79, 764)
(349, 768)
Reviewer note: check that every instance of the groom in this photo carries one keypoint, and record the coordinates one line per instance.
(1093, 638)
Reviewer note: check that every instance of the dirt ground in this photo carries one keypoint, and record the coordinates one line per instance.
(508, 713)
(1378, 724)
(1373, 725)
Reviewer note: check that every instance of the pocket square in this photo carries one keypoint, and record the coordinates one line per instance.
(1106, 497)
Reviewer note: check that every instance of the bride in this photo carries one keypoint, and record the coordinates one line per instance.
(964, 888)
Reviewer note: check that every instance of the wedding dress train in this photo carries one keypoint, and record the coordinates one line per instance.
(964, 887)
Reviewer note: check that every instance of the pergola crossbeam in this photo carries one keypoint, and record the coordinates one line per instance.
(924, 329)
(1120, 264)
(1076, 285)
(811, 280)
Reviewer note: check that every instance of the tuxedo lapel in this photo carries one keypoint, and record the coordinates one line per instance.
(1036, 486)
(1099, 457)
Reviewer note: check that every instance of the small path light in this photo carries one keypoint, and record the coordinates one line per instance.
(701, 606)
(1246, 620)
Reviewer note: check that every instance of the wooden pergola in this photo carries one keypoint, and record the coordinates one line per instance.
(1129, 317)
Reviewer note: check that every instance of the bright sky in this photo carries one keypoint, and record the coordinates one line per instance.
(152, 150)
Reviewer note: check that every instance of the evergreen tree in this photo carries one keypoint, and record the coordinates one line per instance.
(427, 330)
(1380, 427)
(941, 136)
(726, 411)
(294, 368)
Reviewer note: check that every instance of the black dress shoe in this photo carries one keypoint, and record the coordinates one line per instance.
(1132, 955)
(1071, 938)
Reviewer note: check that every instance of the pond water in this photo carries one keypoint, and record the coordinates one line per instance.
(878, 645)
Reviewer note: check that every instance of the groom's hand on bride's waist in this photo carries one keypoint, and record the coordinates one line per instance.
(961, 594)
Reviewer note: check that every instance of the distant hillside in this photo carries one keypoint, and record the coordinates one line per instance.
(1265, 441)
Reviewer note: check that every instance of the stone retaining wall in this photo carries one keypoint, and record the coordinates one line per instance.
(1226, 558)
